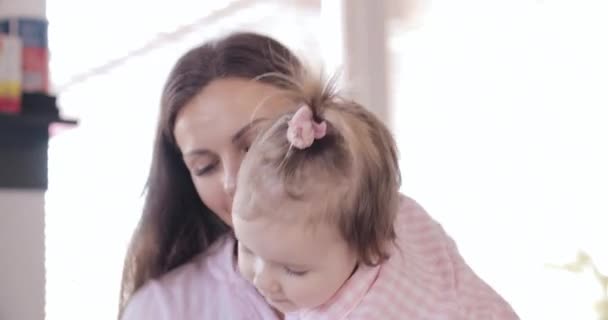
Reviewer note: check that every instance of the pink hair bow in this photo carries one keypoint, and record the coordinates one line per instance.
(303, 129)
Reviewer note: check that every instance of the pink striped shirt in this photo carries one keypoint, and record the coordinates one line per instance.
(425, 278)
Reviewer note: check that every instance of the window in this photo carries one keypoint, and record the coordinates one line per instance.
(500, 110)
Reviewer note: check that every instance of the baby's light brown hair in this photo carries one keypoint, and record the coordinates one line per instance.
(352, 172)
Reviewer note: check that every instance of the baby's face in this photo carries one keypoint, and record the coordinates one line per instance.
(293, 264)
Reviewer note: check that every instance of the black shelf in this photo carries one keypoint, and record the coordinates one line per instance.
(24, 140)
(24, 121)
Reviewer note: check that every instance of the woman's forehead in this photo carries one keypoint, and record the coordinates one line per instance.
(240, 97)
(225, 107)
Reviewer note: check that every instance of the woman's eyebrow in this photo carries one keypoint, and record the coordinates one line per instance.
(244, 130)
(197, 153)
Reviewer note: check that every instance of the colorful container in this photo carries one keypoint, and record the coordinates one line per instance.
(10, 74)
(35, 57)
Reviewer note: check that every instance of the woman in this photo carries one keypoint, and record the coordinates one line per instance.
(181, 264)
(180, 261)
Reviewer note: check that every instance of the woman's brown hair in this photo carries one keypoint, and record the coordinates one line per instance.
(175, 224)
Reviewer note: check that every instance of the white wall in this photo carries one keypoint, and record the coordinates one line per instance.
(21, 255)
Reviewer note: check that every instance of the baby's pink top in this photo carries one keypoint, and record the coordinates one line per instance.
(425, 278)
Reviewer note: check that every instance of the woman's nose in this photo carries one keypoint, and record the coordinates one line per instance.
(231, 170)
(229, 184)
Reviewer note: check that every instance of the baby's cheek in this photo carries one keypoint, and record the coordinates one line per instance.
(313, 291)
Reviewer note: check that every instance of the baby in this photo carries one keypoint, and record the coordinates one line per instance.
(323, 232)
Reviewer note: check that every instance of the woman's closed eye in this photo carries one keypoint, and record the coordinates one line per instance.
(203, 170)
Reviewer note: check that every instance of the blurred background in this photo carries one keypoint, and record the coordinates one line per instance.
(500, 110)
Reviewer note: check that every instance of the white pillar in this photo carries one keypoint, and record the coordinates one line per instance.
(354, 37)
(22, 8)
(22, 276)
(22, 272)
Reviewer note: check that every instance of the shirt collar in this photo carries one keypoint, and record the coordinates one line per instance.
(348, 296)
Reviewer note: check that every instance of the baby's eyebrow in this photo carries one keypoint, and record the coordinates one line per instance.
(295, 266)
(276, 262)
(292, 265)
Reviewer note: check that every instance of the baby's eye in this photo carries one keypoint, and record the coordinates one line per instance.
(295, 273)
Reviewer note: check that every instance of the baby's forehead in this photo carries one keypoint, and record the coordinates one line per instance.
(267, 200)
(311, 194)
